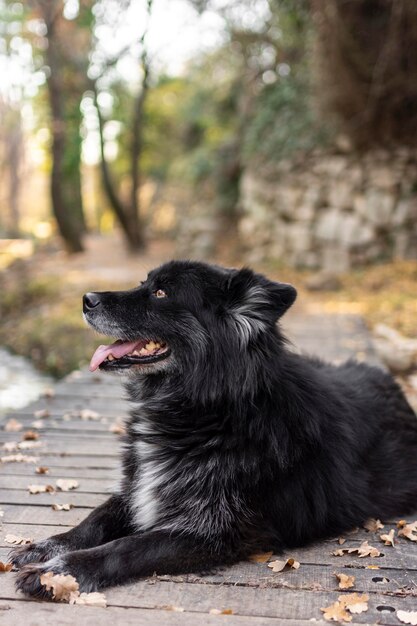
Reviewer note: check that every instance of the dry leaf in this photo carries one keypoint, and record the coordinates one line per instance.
(19, 458)
(30, 435)
(66, 485)
(16, 540)
(341, 541)
(260, 557)
(221, 612)
(38, 424)
(62, 507)
(278, 566)
(336, 612)
(117, 429)
(88, 414)
(354, 602)
(41, 413)
(172, 607)
(5, 567)
(29, 445)
(64, 588)
(48, 392)
(364, 550)
(10, 446)
(91, 599)
(41, 489)
(407, 617)
(372, 567)
(41, 469)
(388, 539)
(408, 530)
(373, 525)
(345, 582)
(13, 426)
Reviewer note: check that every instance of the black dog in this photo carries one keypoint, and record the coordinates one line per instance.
(235, 445)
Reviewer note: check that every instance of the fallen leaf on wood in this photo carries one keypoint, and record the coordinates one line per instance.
(19, 458)
(336, 612)
(341, 541)
(261, 557)
(345, 582)
(388, 539)
(278, 566)
(5, 567)
(88, 414)
(38, 424)
(29, 445)
(354, 602)
(49, 392)
(373, 525)
(409, 531)
(62, 507)
(63, 587)
(407, 617)
(16, 540)
(117, 429)
(172, 607)
(10, 446)
(13, 426)
(41, 469)
(41, 413)
(221, 612)
(94, 598)
(363, 550)
(30, 435)
(64, 484)
(372, 567)
(41, 489)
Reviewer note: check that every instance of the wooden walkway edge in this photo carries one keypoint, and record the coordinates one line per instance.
(76, 441)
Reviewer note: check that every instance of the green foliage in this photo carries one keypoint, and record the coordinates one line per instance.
(284, 122)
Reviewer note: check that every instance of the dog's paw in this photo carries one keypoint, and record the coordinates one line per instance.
(36, 552)
(28, 578)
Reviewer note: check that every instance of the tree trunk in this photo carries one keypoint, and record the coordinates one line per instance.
(65, 175)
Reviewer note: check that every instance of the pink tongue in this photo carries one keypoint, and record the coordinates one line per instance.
(117, 349)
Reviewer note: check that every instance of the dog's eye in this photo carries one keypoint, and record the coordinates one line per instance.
(160, 293)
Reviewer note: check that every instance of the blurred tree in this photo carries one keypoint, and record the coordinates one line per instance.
(11, 159)
(126, 205)
(367, 68)
(66, 55)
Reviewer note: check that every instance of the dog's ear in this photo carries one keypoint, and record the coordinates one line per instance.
(254, 301)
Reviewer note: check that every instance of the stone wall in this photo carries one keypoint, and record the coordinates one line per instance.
(332, 211)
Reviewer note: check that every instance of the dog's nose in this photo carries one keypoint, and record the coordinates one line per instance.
(91, 301)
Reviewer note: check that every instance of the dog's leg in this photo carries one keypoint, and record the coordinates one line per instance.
(126, 559)
(107, 522)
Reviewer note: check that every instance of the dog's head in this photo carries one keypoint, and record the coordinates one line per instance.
(186, 316)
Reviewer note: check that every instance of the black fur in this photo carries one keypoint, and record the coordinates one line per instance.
(235, 444)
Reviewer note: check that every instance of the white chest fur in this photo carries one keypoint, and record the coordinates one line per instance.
(152, 473)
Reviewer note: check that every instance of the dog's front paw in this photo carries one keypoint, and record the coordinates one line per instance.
(28, 579)
(36, 552)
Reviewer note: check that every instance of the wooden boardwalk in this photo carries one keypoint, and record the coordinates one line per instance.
(87, 450)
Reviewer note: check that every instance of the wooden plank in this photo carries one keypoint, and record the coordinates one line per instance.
(57, 425)
(21, 514)
(34, 531)
(69, 461)
(24, 498)
(82, 448)
(308, 578)
(103, 474)
(280, 604)
(19, 484)
(34, 613)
